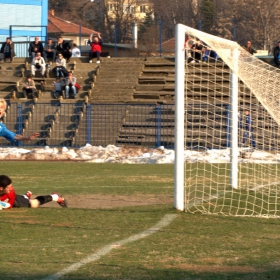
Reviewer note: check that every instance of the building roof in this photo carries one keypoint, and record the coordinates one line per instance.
(59, 25)
(169, 45)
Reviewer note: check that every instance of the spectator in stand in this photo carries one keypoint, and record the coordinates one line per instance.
(248, 135)
(7, 50)
(209, 53)
(60, 68)
(10, 199)
(58, 84)
(76, 51)
(96, 47)
(64, 47)
(35, 47)
(197, 49)
(276, 53)
(29, 88)
(9, 135)
(248, 47)
(70, 83)
(187, 49)
(38, 64)
(50, 51)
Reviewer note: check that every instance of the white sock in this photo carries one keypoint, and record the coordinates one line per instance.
(54, 197)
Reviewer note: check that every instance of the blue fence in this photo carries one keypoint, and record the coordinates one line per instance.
(75, 125)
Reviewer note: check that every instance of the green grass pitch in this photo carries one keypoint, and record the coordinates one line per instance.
(37, 243)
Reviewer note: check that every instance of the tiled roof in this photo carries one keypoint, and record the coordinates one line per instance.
(58, 25)
(169, 45)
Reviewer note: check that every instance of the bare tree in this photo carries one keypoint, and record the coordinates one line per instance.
(260, 21)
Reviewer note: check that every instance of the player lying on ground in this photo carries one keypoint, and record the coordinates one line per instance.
(9, 198)
(9, 135)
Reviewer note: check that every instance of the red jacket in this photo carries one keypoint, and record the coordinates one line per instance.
(9, 197)
(96, 47)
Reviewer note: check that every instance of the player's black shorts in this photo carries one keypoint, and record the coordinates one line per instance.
(21, 201)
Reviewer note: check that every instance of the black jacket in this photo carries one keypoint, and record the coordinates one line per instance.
(33, 46)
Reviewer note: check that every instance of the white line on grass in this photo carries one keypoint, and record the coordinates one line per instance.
(165, 221)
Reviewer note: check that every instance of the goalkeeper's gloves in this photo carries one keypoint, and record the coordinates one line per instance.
(4, 205)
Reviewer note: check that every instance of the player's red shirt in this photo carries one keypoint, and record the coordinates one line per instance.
(9, 197)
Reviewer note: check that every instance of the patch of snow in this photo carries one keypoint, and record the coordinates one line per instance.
(131, 155)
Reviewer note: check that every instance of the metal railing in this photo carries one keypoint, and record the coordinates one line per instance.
(76, 124)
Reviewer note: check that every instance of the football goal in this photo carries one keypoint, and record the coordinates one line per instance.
(227, 118)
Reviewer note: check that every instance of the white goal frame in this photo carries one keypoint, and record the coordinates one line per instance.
(179, 180)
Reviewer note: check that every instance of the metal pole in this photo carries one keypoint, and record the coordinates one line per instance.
(234, 28)
(19, 121)
(158, 132)
(160, 38)
(115, 39)
(233, 123)
(179, 117)
(200, 24)
(134, 35)
(80, 38)
(88, 124)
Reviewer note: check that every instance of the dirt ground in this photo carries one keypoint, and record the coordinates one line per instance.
(111, 201)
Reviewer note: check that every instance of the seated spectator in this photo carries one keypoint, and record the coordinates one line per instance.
(58, 84)
(29, 88)
(70, 83)
(276, 54)
(38, 64)
(209, 53)
(197, 49)
(76, 51)
(60, 68)
(96, 45)
(248, 47)
(64, 47)
(7, 50)
(50, 51)
(35, 47)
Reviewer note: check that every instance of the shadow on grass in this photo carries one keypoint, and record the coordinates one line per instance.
(145, 274)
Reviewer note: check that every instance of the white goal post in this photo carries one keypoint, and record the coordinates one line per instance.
(227, 135)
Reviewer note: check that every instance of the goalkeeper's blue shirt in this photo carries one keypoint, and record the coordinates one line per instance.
(9, 135)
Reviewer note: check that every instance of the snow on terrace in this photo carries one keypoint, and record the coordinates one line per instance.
(130, 155)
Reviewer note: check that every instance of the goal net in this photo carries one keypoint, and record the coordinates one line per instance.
(227, 128)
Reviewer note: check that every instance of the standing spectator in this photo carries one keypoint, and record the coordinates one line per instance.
(29, 88)
(9, 135)
(58, 85)
(38, 64)
(64, 47)
(76, 51)
(35, 47)
(70, 83)
(197, 51)
(60, 68)
(50, 50)
(248, 129)
(276, 54)
(7, 50)
(248, 47)
(9, 196)
(96, 47)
